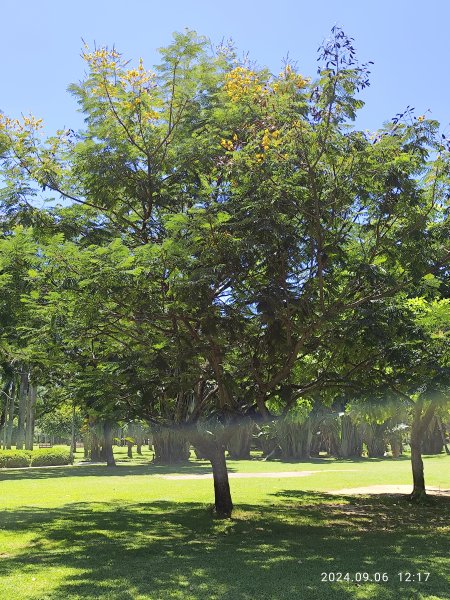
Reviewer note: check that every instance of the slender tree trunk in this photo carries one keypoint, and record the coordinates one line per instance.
(108, 441)
(23, 393)
(441, 430)
(222, 495)
(213, 449)
(73, 439)
(420, 424)
(10, 422)
(31, 415)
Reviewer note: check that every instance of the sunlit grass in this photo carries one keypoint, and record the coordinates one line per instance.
(97, 533)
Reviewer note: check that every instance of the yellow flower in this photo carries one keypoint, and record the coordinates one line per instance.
(421, 118)
(227, 144)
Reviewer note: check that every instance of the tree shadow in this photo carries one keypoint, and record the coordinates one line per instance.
(274, 551)
(121, 470)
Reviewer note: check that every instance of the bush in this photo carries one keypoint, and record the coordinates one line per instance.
(12, 459)
(46, 457)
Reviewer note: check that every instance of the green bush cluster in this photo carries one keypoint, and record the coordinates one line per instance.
(44, 457)
(11, 459)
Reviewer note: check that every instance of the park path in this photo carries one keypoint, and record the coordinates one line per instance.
(268, 475)
(387, 489)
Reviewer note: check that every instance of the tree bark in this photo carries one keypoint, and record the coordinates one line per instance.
(10, 422)
(31, 415)
(23, 393)
(213, 448)
(130, 449)
(170, 446)
(108, 444)
(223, 504)
(420, 424)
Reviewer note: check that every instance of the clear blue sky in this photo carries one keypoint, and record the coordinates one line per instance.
(407, 40)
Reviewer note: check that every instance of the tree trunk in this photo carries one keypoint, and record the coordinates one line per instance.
(73, 439)
(10, 422)
(223, 504)
(130, 449)
(213, 449)
(374, 437)
(31, 415)
(419, 493)
(108, 444)
(239, 444)
(420, 424)
(294, 439)
(351, 441)
(23, 393)
(170, 446)
(432, 439)
(95, 447)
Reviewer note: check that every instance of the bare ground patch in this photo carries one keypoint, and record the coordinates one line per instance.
(386, 489)
(269, 475)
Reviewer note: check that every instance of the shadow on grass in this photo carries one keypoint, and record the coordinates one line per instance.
(328, 460)
(121, 470)
(176, 550)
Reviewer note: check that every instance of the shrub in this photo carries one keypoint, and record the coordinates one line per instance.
(11, 459)
(46, 457)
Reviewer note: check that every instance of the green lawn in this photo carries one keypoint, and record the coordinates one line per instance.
(88, 532)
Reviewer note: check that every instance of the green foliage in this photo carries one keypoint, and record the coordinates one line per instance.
(11, 459)
(45, 457)
(37, 458)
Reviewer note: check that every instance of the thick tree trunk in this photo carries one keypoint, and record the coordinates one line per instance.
(350, 439)
(170, 446)
(95, 447)
(130, 449)
(108, 444)
(31, 415)
(239, 444)
(374, 437)
(23, 393)
(223, 504)
(432, 439)
(294, 439)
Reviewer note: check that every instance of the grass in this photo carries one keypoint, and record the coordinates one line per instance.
(91, 532)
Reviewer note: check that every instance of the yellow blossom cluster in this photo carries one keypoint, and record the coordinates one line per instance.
(291, 77)
(241, 81)
(150, 114)
(101, 57)
(270, 138)
(137, 77)
(229, 144)
(30, 123)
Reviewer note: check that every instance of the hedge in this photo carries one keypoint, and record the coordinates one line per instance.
(44, 457)
(11, 459)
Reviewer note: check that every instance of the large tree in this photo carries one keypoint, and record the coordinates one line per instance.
(237, 222)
